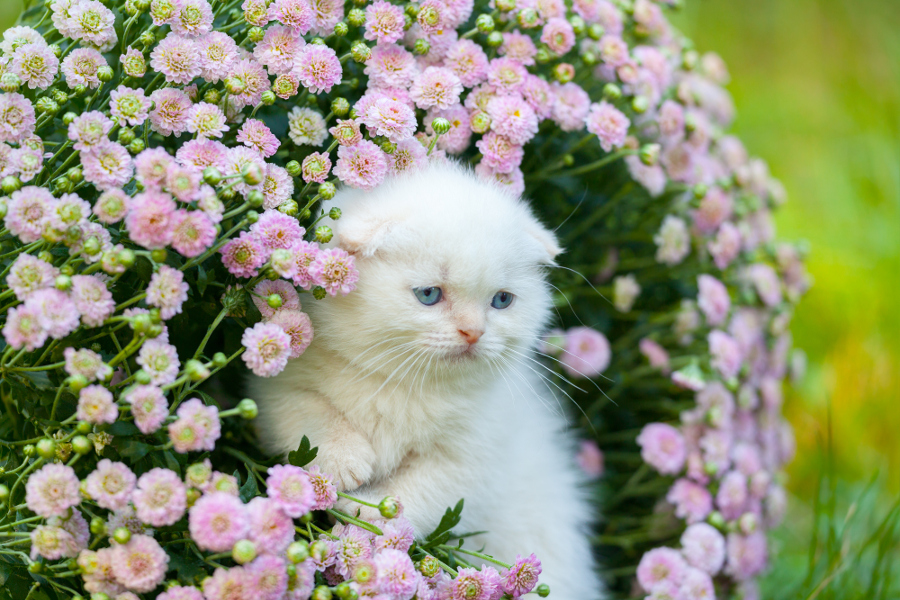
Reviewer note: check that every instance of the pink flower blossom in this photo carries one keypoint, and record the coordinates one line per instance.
(160, 497)
(290, 300)
(316, 167)
(305, 254)
(28, 209)
(471, 584)
(390, 66)
(80, 67)
(177, 58)
(317, 67)
(133, 62)
(150, 220)
(149, 407)
(662, 447)
(268, 577)
(192, 232)
(290, 487)
(107, 165)
(92, 299)
(766, 282)
(713, 299)
(167, 291)
(409, 154)
(726, 246)
(609, 124)
(52, 543)
(278, 186)
(587, 352)
(306, 126)
(192, 18)
(513, 118)
(660, 566)
(294, 13)
(334, 270)
(457, 139)
(52, 490)
(268, 348)
(468, 61)
(228, 584)
(218, 54)
(96, 405)
(277, 230)
(506, 74)
(91, 22)
(197, 427)
(500, 153)
(86, 363)
(352, 546)
(747, 555)
(111, 484)
(715, 208)
(732, 495)
(397, 576)
(35, 65)
(178, 592)
(159, 360)
(703, 547)
(269, 527)
(692, 501)
(243, 255)
(590, 458)
(571, 107)
(518, 47)
(362, 165)
(656, 355)
(129, 106)
(394, 120)
(17, 118)
(140, 565)
(29, 274)
(397, 533)
(673, 241)
(170, 112)
(55, 312)
(726, 354)
(206, 120)
(218, 520)
(436, 87)
(558, 35)
(384, 22)
(255, 134)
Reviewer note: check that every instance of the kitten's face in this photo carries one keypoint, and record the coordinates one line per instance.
(451, 281)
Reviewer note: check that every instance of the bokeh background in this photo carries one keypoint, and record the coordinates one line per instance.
(817, 89)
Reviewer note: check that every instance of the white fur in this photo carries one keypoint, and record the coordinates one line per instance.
(399, 404)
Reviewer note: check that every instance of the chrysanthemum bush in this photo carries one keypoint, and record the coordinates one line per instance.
(166, 168)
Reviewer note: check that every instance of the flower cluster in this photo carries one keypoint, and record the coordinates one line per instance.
(165, 168)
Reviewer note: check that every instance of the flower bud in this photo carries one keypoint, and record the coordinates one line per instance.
(306, 215)
(327, 190)
(543, 590)
(716, 520)
(252, 216)
(480, 122)
(343, 590)
(136, 146)
(46, 105)
(429, 566)
(36, 568)
(428, 17)
(319, 293)
(364, 573)
(356, 17)
(322, 592)
(141, 376)
(80, 90)
(98, 526)
(649, 154)
(388, 147)
(495, 39)
(76, 382)
(335, 213)
(196, 370)
(83, 427)
(247, 409)
(298, 551)
(28, 450)
(122, 535)
(243, 551)
(81, 444)
(255, 198)
(690, 59)
(126, 135)
(441, 126)
(564, 72)
(256, 34)
(528, 18)
(294, 168)
(589, 59)
(640, 104)
(219, 360)
(105, 74)
(360, 52)
(252, 174)
(68, 117)
(578, 24)
(543, 56)
(506, 5)
(289, 208)
(323, 234)
(340, 107)
(67, 270)
(341, 29)
(274, 301)
(10, 184)
(60, 97)
(485, 24)
(412, 10)
(46, 449)
(10, 82)
(63, 186)
(63, 283)
(389, 507)
(4, 493)
(421, 47)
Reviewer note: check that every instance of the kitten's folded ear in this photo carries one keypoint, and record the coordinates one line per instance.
(547, 240)
(363, 233)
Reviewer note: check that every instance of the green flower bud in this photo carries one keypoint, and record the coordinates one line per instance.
(700, 190)
(256, 34)
(578, 24)
(81, 444)
(126, 135)
(298, 551)
(306, 215)
(334, 213)
(100, 596)
(421, 47)
(612, 92)
(35, 568)
(193, 494)
(716, 519)
(255, 198)
(83, 427)
(268, 98)
(543, 590)
(147, 38)
(46, 449)
(356, 17)
(389, 507)
(63, 283)
(428, 16)
(10, 184)
(288, 207)
(506, 5)
(274, 301)
(212, 96)
(158, 255)
(60, 97)
(68, 117)
(10, 82)
(121, 535)
(67, 270)
(63, 185)
(343, 590)
(568, 160)
(480, 122)
(323, 234)
(360, 52)
(340, 107)
(76, 382)
(595, 31)
(252, 174)
(564, 72)
(80, 90)
(649, 154)
(46, 105)
(640, 104)
(92, 246)
(141, 376)
(196, 370)
(341, 29)
(243, 551)
(441, 126)
(247, 409)
(294, 168)
(388, 147)
(252, 216)
(319, 293)
(495, 39)
(212, 176)
(219, 360)
(485, 24)
(327, 190)
(322, 592)
(543, 56)
(105, 74)
(98, 526)
(136, 146)
(528, 18)
(28, 450)
(126, 258)
(4, 493)
(690, 59)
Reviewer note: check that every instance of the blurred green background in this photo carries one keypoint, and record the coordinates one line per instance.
(817, 89)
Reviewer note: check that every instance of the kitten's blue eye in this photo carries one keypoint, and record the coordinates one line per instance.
(502, 300)
(429, 296)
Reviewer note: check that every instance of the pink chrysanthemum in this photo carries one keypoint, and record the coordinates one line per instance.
(513, 182)
(298, 326)
(206, 120)
(192, 232)
(150, 220)
(152, 168)
(98, 574)
(35, 65)
(140, 565)
(129, 106)
(471, 584)
(133, 62)
(177, 58)
(506, 74)
(317, 67)
(334, 270)
(253, 81)
(192, 18)
(522, 577)
(167, 291)
(96, 405)
(20, 35)
(277, 230)
(80, 67)
(747, 555)
(93, 300)
(241, 160)
(346, 132)
(268, 348)
(160, 497)
(703, 547)
(305, 254)
(52, 490)
(170, 111)
(278, 49)
(294, 13)
(519, 47)
(391, 66)
(397, 576)
(409, 154)
(660, 566)
(149, 407)
(609, 124)
(324, 488)
(179, 592)
(384, 22)
(183, 183)
(316, 167)
(269, 527)
(713, 299)
(726, 354)
(306, 127)
(468, 61)
(255, 134)
(590, 458)
(290, 487)
(243, 255)
(587, 352)
(499, 153)
(107, 165)
(326, 14)
(692, 501)
(218, 520)
(91, 22)
(277, 187)
(726, 246)
(655, 354)
(268, 577)
(436, 87)
(391, 119)
(199, 154)
(17, 118)
(673, 241)
(558, 35)
(28, 209)
(286, 86)
(55, 312)
(218, 53)
(227, 584)
(290, 300)
(197, 428)
(732, 495)
(111, 484)
(52, 543)
(160, 361)
(86, 363)
(362, 165)
(613, 50)
(571, 107)
(662, 447)
(513, 118)
(29, 274)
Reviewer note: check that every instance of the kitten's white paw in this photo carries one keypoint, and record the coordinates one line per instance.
(349, 458)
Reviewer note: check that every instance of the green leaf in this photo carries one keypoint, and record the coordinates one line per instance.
(203, 279)
(131, 449)
(441, 533)
(188, 569)
(122, 429)
(303, 455)
(249, 489)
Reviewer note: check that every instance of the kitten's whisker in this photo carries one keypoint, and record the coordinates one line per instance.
(591, 379)
(511, 368)
(553, 383)
(380, 359)
(548, 369)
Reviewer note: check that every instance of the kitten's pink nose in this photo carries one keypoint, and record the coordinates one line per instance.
(470, 335)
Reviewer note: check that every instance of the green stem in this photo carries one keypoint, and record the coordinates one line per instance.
(345, 517)
(476, 554)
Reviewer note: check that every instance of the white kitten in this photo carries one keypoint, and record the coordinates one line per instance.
(420, 384)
